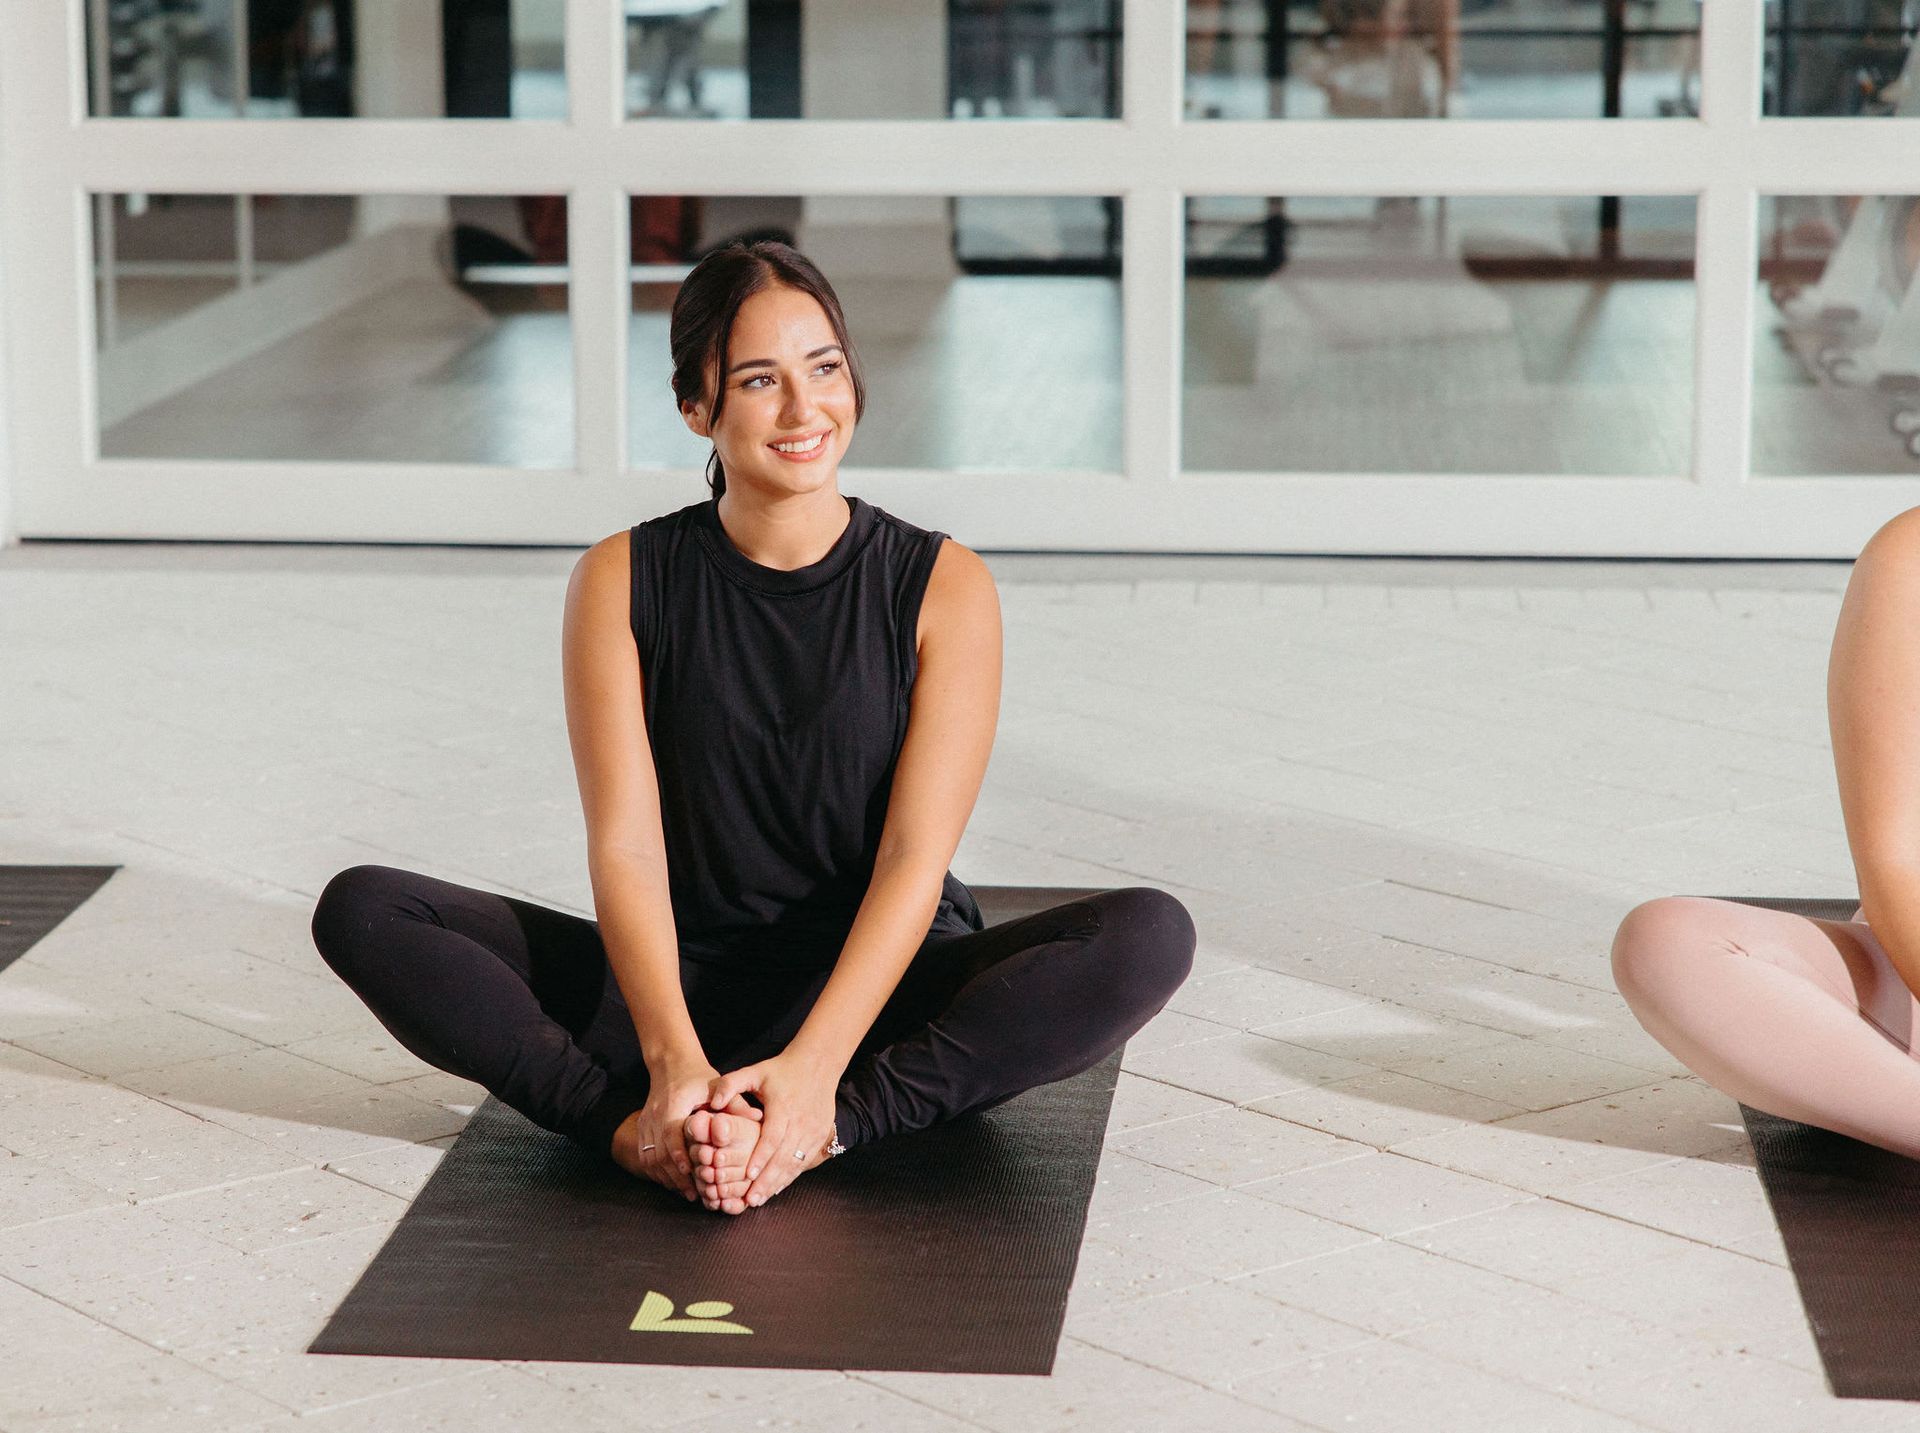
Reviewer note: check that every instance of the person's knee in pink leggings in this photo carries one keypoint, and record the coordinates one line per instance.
(1653, 938)
(1803, 1019)
(1664, 967)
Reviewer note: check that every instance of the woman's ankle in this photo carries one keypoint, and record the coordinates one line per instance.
(851, 1125)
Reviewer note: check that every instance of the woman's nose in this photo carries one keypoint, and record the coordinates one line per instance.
(798, 406)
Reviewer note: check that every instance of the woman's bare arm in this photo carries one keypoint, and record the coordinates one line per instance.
(1873, 709)
(613, 763)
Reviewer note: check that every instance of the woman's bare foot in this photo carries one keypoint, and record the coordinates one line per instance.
(718, 1144)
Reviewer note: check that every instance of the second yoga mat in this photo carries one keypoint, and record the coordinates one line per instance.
(949, 1250)
(35, 899)
(1849, 1214)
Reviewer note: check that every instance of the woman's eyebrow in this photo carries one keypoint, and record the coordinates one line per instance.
(768, 362)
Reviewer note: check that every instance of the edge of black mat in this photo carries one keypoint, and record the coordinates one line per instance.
(949, 1250)
(35, 899)
(1847, 1213)
(1820, 908)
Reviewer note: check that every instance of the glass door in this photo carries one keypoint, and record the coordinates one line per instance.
(1632, 277)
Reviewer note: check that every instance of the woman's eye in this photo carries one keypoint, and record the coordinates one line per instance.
(827, 367)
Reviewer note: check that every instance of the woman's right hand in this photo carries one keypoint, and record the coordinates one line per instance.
(674, 1092)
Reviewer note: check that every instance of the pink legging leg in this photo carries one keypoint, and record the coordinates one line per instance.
(1806, 1019)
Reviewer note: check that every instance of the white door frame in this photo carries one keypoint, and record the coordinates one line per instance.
(57, 156)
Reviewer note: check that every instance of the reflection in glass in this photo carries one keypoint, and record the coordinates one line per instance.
(1538, 335)
(1004, 362)
(1837, 342)
(1054, 60)
(1428, 59)
(315, 59)
(1841, 58)
(993, 234)
(850, 59)
(380, 328)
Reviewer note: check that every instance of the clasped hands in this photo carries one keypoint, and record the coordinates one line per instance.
(729, 1141)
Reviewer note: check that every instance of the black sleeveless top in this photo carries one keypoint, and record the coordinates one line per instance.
(776, 703)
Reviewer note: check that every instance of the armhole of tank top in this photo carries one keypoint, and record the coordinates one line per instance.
(912, 596)
(639, 613)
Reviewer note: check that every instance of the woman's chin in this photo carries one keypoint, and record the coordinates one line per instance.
(781, 476)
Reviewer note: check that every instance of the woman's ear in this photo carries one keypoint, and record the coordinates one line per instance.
(694, 415)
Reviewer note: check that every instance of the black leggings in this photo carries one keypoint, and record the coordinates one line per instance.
(520, 998)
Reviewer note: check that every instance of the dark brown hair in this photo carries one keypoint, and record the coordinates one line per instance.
(703, 314)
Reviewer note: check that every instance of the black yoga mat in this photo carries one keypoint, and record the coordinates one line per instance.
(35, 899)
(1849, 1214)
(949, 1251)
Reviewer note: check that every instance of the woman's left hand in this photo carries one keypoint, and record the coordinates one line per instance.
(795, 1096)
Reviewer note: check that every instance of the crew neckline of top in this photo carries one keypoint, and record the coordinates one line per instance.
(744, 570)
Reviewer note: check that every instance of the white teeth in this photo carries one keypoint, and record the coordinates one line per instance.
(806, 447)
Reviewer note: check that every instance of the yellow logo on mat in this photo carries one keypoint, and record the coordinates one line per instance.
(708, 1316)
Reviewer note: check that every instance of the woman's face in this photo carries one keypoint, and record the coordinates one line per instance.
(788, 414)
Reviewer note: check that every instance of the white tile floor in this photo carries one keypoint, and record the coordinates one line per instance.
(1397, 1157)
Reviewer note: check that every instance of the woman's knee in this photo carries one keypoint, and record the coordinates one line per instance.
(344, 913)
(1658, 939)
(1156, 937)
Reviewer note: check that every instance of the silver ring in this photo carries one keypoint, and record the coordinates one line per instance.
(645, 1147)
(801, 1155)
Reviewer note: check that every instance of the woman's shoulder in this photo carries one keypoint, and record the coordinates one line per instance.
(958, 568)
(955, 567)
(609, 554)
(902, 530)
(625, 571)
(912, 534)
(603, 569)
(678, 520)
(1898, 537)
(960, 591)
(649, 542)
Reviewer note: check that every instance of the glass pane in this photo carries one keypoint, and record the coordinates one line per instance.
(1438, 335)
(1836, 361)
(1425, 59)
(1841, 57)
(398, 59)
(987, 328)
(853, 59)
(381, 328)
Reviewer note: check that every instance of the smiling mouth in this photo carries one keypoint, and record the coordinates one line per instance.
(800, 445)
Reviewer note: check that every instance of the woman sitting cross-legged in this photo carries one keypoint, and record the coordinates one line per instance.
(781, 702)
(1817, 1020)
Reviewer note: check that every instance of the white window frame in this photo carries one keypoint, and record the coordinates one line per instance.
(55, 157)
